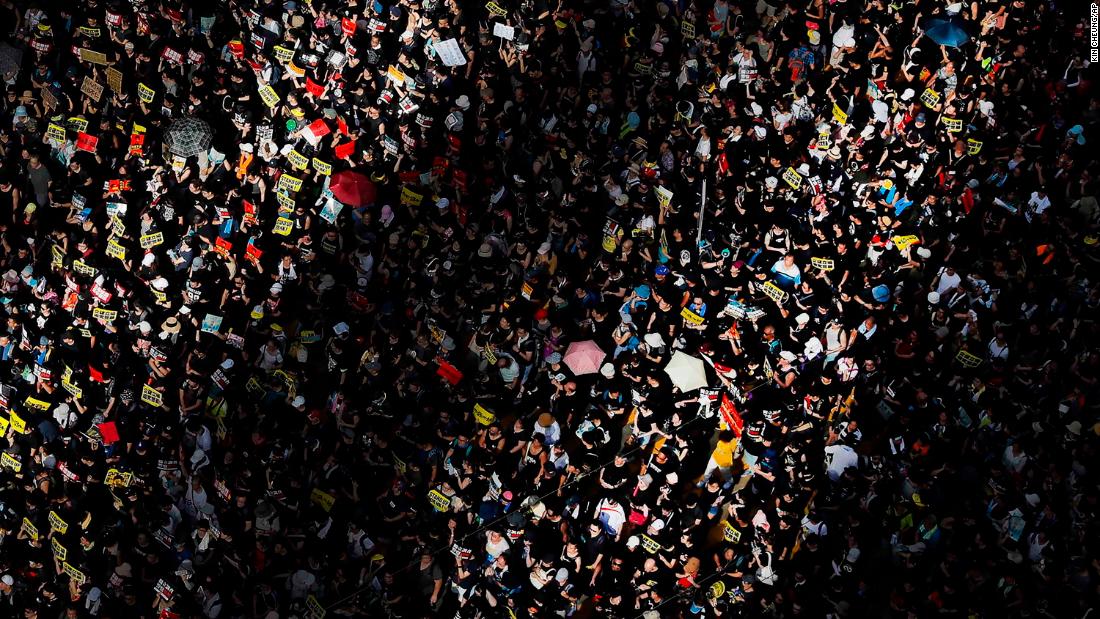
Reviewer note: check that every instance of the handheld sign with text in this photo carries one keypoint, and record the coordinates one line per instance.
(775, 293)
(839, 115)
(691, 316)
(439, 501)
(792, 178)
(146, 94)
(483, 416)
(151, 396)
(930, 98)
(151, 240)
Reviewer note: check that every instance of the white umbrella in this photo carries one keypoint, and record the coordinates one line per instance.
(687, 373)
(188, 137)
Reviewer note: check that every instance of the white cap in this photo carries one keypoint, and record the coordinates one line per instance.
(804, 169)
(802, 318)
(298, 402)
(591, 109)
(924, 252)
(144, 327)
(463, 102)
(788, 355)
(933, 297)
(227, 364)
(7, 580)
(608, 370)
(277, 287)
(654, 340)
(341, 328)
(147, 260)
(442, 203)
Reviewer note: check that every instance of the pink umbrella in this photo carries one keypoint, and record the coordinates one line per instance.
(584, 357)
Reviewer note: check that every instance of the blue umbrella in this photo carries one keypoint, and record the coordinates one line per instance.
(946, 32)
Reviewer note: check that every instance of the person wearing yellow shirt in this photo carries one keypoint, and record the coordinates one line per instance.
(722, 459)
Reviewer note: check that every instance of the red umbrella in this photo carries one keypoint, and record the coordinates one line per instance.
(352, 188)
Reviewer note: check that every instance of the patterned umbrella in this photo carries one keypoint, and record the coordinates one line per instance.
(188, 137)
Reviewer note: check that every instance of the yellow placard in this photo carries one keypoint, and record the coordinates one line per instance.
(496, 9)
(59, 549)
(973, 147)
(117, 479)
(67, 385)
(290, 183)
(286, 203)
(439, 501)
(55, 132)
(649, 544)
(323, 168)
(396, 75)
(106, 315)
(691, 316)
(410, 197)
(953, 125)
(8, 461)
(269, 96)
(114, 250)
(840, 115)
(930, 98)
(967, 359)
(32, 531)
(283, 226)
(58, 524)
(314, 608)
(903, 242)
(36, 404)
(483, 416)
(729, 533)
(146, 94)
(297, 160)
(823, 264)
(81, 268)
(775, 293)
(792, 177)
(282, 54)
(151, 240)
(151, 396)
(17, 423)
(4, 425)
(77, 124)
(75, 574)
(322, 498)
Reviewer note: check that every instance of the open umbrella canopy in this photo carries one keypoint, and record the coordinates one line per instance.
(946, 32)
(188, 137)
(687, 373)
(584, 357)
(352, 188)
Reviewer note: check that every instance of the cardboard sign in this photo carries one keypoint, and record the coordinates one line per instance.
(395, 75)
(775, 293)
(212, 323)
(973, 147)
(823, 264)
(439, 501)
(930, 98)
(114, 79)
(87, 55)
(17, 423)
(151, 396)
(283, 226)
(691, 316)
(792, 178)
(269, 96)
(58, 524)
(450, 53)
(146, 94)
(953, 125)
(151, 240)
(36, 404)
(483, 416)
(92, 89)
(105, 315)
(321, 498)
(729, 533)
(840, 115)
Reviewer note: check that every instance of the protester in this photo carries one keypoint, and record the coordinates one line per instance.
(530, 309)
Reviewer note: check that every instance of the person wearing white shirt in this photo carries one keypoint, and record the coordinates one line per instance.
(947, 280)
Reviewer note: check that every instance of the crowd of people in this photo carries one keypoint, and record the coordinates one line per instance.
(531, 309)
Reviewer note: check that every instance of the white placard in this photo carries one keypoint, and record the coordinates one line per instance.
(450, 53)
(504, 32)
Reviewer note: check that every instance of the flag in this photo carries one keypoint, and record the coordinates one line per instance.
(448, 372)
(314, 88)
(108, 432)
(345, 150)
(731, 417)
(86, 142)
